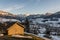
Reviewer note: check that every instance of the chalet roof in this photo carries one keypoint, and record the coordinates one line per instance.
(6, 25)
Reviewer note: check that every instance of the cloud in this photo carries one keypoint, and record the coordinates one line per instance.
(14, 7)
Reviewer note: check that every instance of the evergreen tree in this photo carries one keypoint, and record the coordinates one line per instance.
(27, 25)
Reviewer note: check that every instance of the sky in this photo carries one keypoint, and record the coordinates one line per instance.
(30, 6)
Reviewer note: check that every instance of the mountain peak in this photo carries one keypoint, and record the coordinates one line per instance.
(57, 12)
(5, 13)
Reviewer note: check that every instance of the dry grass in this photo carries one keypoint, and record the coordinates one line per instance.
(35, 37)
(6, 37)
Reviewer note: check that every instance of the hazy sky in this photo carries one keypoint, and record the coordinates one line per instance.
(30, 6)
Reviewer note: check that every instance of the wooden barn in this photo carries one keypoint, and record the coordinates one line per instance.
(16, 29)
(13, 28)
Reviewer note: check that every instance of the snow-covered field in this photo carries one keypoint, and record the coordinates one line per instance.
(53, 37)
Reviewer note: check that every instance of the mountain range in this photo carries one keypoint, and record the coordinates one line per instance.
(8, 15)
(54, 15)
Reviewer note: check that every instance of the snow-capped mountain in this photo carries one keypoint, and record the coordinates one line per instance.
(4, 13)
(6, 16)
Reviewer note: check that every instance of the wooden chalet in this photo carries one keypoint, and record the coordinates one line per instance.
(12, 28)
